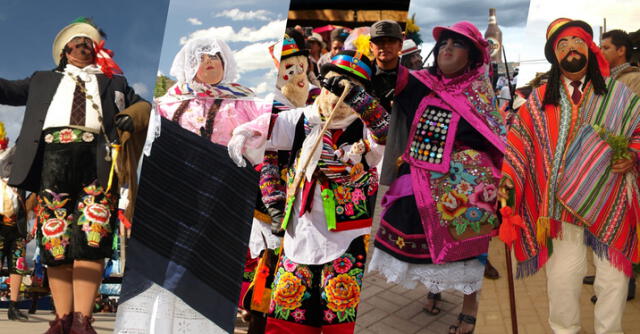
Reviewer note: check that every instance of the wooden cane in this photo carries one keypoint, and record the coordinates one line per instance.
(300, 174)
(512, 292)
(123, 248)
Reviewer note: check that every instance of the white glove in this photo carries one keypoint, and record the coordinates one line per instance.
(235, 147)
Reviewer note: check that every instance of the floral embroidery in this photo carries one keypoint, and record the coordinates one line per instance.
(289, 265)
(304, 274)
(53, 221)
(87, 137)
(348, 209)
(466, 196)
(464, 187)
(484, 196)
(451, 205)
(357, 196)
(342, 264)
(329, 316)
(298, 315)
(400, 242)
(473, 214)
(288, 294)
(95, 215)
(343, 295)
(67, 136)
(21, 264)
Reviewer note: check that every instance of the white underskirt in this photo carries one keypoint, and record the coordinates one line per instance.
(463, 276)
(158, 311)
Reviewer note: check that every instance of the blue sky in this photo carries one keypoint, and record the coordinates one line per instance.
(134, 32)
(248, 26)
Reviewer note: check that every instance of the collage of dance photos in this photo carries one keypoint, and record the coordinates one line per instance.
(319, 166)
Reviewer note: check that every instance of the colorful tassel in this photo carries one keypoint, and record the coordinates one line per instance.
(259, 285)
(123, 219)
(543, 230)
(287, 212)
(510, 223)
(329, 206)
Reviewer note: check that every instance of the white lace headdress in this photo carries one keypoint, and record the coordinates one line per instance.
(186, 63)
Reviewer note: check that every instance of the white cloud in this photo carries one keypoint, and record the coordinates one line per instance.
(272, 73)
(140, 88)
(254, 57)
(160, 73)
(262, 87)
(194, 21)
(271, 31)
(237, 15)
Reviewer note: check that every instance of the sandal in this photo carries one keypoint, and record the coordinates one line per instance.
(434, 297)
(471, 320)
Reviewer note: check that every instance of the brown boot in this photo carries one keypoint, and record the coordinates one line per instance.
(81, 324)
(60, 325)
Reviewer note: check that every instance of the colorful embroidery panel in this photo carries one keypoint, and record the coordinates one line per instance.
(431, 135)
(466, 196)
(319, 295)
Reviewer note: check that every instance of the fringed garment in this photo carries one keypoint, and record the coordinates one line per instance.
(560, 167)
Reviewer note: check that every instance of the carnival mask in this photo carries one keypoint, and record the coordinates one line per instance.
(453, 56)
(293, 81)
(211, 69)
(572, 53)
(327, 101)
(79, 52)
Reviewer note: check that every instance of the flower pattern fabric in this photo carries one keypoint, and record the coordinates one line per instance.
(13, 247)
(466, 196)
(319, 295)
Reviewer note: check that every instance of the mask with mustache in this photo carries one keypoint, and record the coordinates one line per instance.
(292, 80)
(574, 65)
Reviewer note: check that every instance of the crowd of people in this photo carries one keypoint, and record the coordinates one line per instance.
(350, 113)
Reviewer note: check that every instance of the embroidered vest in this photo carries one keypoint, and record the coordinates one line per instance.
(348, 190)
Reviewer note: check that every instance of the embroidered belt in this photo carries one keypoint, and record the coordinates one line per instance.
(69, 135)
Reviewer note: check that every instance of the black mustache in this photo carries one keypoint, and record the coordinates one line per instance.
(573, 52)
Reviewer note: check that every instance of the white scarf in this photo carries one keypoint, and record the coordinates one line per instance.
(316, 123)
(85, 74)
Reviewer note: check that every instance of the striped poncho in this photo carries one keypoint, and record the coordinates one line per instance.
(560, 168)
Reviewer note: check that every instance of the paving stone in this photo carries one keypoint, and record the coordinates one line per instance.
(401, 325)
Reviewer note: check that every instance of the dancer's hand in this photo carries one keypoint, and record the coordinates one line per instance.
(506, 185)
(124, 123)
(235, 148)
(335, 84)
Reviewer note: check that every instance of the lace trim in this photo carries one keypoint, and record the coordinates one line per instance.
(158, 311)
(464, 276)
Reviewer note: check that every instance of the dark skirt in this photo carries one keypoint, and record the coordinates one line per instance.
(76, 218)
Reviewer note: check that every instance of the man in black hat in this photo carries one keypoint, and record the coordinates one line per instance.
(329, 212)
(386, 45)
(73, 116)
(561, 141)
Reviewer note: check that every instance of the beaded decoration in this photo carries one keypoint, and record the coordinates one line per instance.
(430, 136)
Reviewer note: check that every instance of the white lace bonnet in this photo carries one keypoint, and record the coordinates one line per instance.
(187, 60)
